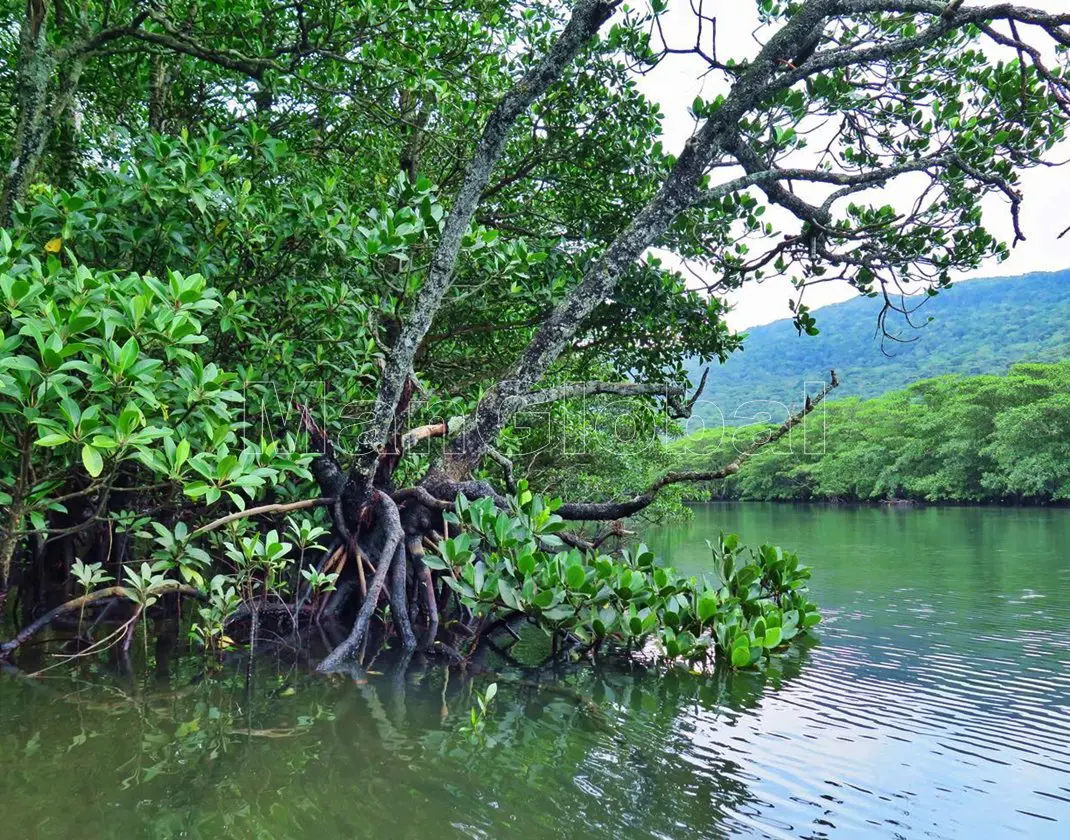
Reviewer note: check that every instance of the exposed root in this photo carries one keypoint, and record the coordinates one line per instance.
(360, 570)
(423, 580)
(396, 527)
(398, 606)
(389, 524)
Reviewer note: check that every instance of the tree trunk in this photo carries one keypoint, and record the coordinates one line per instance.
(35, 71)
(158, 95)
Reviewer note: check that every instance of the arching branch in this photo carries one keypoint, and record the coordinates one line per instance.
(629, 507)
(303, 504)
(108, 593)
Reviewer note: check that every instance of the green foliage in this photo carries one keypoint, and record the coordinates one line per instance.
(475, 729)
(599, 448)
(950, 439)
(173, 551)
(513, 561)
(761, 603)
(260, 561)
(142, 582)
(318, 581)
(223, 602)
(229, 210)
(100, 376)
(89, 575)
(294, 278)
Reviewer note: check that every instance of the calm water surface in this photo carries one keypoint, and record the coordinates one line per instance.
(935, 702)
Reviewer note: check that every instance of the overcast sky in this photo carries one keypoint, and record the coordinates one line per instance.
(676, 82)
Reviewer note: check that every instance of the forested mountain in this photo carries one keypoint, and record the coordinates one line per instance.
(949, 439)
(981, 326)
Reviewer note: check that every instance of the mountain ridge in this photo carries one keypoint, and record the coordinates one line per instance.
(977, 326)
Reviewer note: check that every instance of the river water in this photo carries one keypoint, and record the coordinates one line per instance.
(933, 702)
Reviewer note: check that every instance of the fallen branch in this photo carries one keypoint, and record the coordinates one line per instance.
(100, 595)
(245, 610)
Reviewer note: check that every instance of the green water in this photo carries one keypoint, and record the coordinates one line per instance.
(935, 702)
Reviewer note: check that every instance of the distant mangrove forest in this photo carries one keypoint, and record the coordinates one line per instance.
(1000, 439)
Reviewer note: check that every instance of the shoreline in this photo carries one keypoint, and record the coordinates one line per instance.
(897, 504)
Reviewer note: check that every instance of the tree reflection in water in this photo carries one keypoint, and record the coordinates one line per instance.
(261, 748)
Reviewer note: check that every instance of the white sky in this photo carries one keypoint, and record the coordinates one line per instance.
(675, 83)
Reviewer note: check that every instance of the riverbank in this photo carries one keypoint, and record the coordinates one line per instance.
(889, 503)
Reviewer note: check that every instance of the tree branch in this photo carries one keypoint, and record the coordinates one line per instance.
(579, 390)
(257, 511)
(629, 507)
(680, 190)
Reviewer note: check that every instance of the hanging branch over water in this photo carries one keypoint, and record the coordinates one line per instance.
(620, 510)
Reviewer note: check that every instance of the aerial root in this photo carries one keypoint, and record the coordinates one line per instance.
(399, 607)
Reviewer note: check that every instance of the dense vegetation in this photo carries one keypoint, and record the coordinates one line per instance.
(367, 261)
(948, 439)
(1026, 319)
